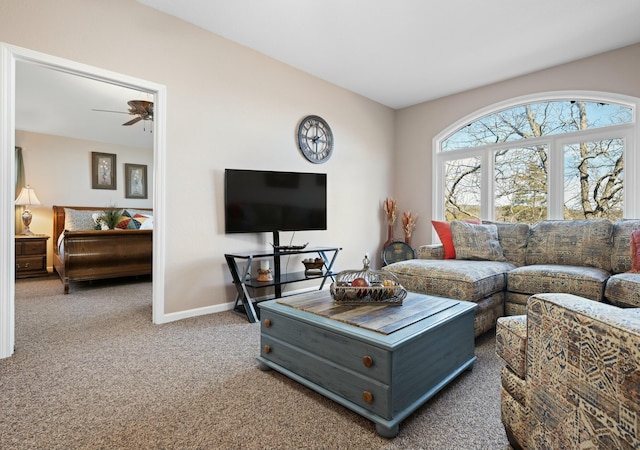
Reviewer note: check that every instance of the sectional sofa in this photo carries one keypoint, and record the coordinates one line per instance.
(500, 266)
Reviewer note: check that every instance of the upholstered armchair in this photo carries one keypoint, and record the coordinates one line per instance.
(572, 378)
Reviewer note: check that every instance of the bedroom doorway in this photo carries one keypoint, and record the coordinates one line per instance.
(11, 57)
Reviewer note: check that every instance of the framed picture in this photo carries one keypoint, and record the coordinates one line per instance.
(136, 181)
(103, 173)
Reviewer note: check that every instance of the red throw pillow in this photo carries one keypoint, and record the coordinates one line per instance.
(443, 229)
(635, 251)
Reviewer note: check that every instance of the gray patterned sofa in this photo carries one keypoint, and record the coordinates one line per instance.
(572, 374)
(500, 265)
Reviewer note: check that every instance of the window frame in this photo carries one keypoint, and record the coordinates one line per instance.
(630, 133)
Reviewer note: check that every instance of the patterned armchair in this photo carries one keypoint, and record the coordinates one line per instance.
(572, 378)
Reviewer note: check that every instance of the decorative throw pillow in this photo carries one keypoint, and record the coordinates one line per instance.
(125, 221)
(476, 242)
(146, 221)
(443, 229)
(139, 220)
(98, 218)
(79, 219)
(635, 251)
(513, 238)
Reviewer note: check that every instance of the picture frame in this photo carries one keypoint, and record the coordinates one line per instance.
(103, 171)
(135, 180)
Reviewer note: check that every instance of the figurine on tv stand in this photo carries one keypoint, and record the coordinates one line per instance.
(265, 275)
(264, 272)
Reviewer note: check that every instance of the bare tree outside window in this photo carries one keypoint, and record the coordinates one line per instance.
(521, 184)
(462, 189)
(593, 170)
(593, 180)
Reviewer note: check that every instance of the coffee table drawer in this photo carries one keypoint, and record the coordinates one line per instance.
(363, 391)
(419, 348)
(366, 359)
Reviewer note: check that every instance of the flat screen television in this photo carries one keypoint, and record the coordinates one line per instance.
(269, 201)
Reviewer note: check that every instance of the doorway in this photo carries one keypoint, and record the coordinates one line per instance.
(9, 57)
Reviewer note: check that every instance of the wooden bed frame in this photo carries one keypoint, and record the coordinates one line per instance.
(100, 254)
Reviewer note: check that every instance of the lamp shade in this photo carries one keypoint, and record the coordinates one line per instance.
(27, 197)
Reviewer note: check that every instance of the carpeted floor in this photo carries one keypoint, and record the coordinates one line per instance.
(90, 371)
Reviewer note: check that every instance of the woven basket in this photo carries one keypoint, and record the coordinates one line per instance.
(315, 265)
(380, 287)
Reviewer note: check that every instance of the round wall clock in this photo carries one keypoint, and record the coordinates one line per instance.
(397, 251)
(315, 139)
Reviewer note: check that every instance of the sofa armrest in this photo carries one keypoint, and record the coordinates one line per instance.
(431, 251)
(583, 373)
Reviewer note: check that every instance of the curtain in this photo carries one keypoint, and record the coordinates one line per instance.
(20, 183)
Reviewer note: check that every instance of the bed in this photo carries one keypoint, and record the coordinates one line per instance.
(81, 253)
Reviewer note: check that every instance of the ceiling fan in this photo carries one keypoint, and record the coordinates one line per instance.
(142, 109)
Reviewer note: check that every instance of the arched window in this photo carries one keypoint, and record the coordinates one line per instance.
(562, 156)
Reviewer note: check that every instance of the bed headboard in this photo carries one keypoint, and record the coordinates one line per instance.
(58, 217)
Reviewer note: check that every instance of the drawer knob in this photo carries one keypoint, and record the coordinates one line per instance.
(267, 349)
(267, 323)
(367, 361)
(367, 396)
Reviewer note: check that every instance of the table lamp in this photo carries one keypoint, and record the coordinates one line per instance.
(27, 198)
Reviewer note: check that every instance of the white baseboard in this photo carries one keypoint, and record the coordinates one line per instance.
(172, 317)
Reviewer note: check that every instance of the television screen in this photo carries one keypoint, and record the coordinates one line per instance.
(263, 201)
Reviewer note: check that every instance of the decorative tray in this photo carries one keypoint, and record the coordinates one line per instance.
(289, 248)
(367, 286)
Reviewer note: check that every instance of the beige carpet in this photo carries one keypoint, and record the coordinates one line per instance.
(91, 371)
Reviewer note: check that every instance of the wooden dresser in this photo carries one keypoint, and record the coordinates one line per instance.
(31, 256)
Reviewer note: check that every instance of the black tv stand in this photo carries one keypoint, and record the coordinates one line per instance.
(244, 304)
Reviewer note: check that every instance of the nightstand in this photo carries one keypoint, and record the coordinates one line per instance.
(31, 256)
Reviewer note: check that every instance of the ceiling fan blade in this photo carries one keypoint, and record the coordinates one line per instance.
(106, 110)
(132, 121)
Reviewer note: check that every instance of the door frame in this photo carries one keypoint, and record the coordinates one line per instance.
(9, 55)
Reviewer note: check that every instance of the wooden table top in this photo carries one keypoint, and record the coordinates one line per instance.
(379, 317)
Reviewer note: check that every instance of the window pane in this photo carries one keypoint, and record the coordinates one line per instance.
(521, 184)
(593, 175)
(535, 120)
(462, 189)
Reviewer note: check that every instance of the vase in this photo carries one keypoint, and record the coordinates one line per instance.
(389, 235)
(407, 239)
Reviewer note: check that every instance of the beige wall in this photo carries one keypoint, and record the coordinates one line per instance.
(615, 72)
(231, 107)
(228, 107)
(59, 170)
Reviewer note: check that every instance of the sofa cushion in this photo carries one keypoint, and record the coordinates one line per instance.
(511, 342)
(513, 238)
(476, 242)
(571, 242)
(488, 311)
(620, 254)
(515, 418)
(514, 385)
(588, 282)
(430, 251)
(623, 290)
(635, 251)
(515, 303)
(443, 230)
(459, 279)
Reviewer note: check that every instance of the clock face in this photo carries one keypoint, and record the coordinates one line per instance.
(315, 139)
